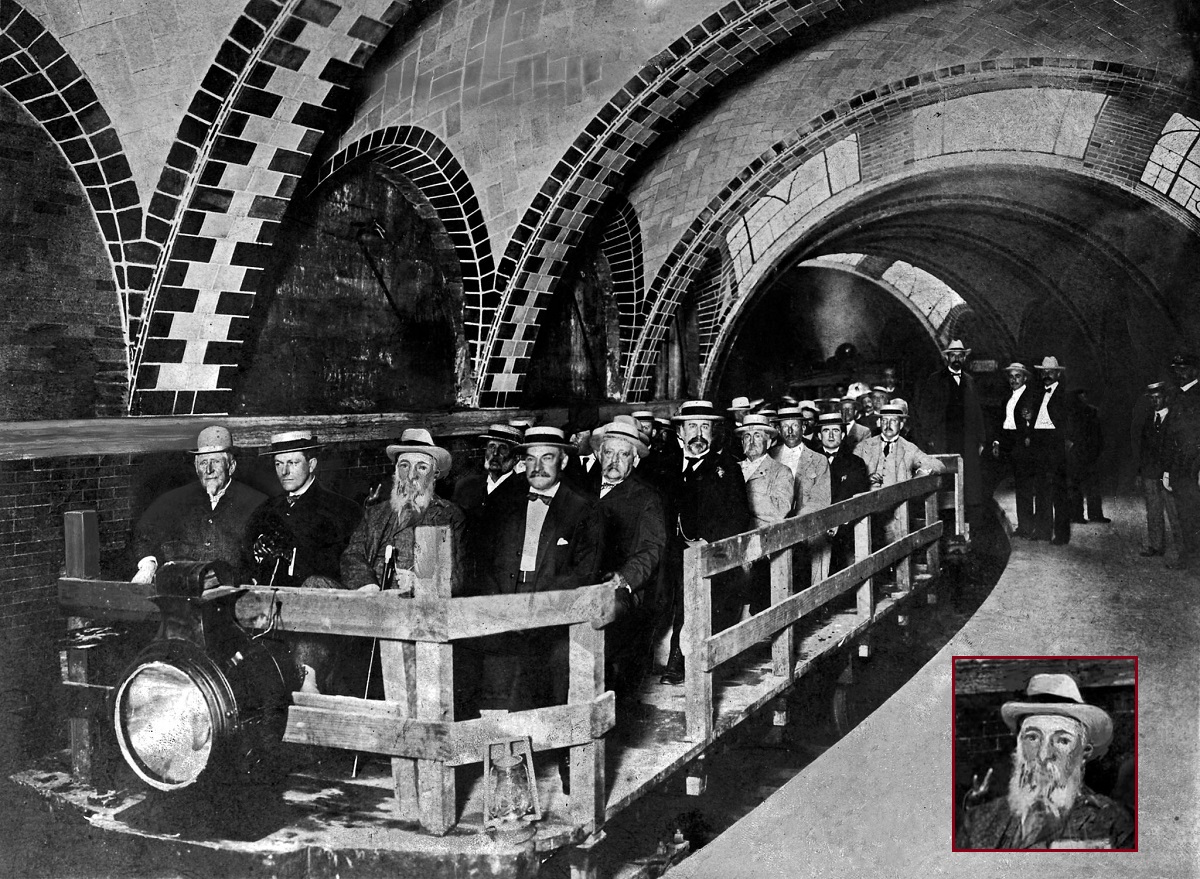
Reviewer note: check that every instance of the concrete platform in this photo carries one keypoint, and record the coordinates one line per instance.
(879, 802)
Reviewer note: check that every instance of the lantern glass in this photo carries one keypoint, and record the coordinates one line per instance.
(510, 788)
(165, 722)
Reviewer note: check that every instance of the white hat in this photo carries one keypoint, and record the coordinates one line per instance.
(762, 422)
(545, 435)
(958, 346)
(291, 441)
(620, 430)
(1017, 367)
(856, 390)
(215, 438)
(1059, 694)
(418, 439)
(697, 410)
(1049, 363)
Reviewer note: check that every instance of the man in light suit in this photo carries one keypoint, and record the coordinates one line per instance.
(854, 432)
(770, 491)
(890, 458)
(546, 539)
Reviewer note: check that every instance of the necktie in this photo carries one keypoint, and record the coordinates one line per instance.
(1157, 421)
(693, 463)
(544, 498)
(887, 449)
(604, 486)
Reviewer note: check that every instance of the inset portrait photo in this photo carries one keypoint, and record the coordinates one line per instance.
(1045, 753)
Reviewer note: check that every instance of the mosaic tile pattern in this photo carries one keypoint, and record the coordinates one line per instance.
(861, 112)
(622, 247)
(275, 87)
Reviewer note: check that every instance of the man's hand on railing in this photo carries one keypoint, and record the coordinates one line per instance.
(145, 571)
(624, 593)
(369, 588)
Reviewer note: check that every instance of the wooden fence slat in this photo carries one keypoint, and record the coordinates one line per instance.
(433, 562)
(904, 565)
(783, 645)
(586, 669)
(397, 660)
(933, 554)
(697, 628)
(725, 645)
(865, 600)
(81, 535)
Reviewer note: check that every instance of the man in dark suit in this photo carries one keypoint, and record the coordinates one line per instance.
(1013, 444)
(583, 472)
(1182, 447)
(634, 538)
(708, 497)
(1150, 453)
(545, 539)
(1085, 476)
(950, 420)
(1054, 428)
(499, 459)
(297, 539)
(848, 476)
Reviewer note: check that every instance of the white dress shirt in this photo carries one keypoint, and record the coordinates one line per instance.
(535, 518)
(1010, 409)
(492, 485)
(790, 458)
(1043, 418)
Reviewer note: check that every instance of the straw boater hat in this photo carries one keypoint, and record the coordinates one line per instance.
(810, 405)
(418, 439)
(1017, 367)
(503, 433)
(697, 410)
(642, 415)
(1049, 362)
(291, 441)
(215, 438)
(1058, 694)
(901, 403)
(829, 419)
(624, 431)
(1156, 386)
(545, 435)
(893, 408)
(758, 420)
(956, 345)
(790, 413)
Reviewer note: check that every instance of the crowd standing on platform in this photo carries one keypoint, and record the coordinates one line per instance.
(618, 503)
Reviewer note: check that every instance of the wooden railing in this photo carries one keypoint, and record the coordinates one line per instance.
(704, 650)
(414, 723)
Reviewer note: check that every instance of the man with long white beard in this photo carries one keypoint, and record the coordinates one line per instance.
(367, 564)
(204, 521)
(1048, 805)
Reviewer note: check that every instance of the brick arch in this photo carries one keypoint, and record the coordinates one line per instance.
(38, 73)
(621, 244)
(422, 158)
(242, 147)
(860, 113)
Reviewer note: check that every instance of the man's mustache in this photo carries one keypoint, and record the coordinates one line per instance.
(698, 443)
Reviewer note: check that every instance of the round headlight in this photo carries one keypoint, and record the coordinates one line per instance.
(165, 724)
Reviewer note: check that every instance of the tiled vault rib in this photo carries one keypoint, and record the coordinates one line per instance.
(275, 87)
(685, 265)
(38, 73)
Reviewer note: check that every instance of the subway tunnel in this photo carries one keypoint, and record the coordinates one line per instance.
(371, 214)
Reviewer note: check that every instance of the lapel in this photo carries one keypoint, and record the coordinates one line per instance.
(554, 514)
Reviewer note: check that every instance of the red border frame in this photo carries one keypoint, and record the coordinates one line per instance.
(954, 753)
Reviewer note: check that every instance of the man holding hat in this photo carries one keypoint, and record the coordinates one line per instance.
(1013, 446)
(297, 539)
(1182, 453)
(382, 546)
(950, 420)
(634, 538)
(1048, 806)
(204, 521)
(709, 498)
(1053, 438)
(1149, 452)
(544, 539)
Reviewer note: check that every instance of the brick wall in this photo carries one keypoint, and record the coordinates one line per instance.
(62, 352)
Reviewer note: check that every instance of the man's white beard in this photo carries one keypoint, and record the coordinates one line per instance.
(409, 501)
(1040, 797)
(212, 485)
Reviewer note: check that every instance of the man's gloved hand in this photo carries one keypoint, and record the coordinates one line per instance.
(145, 571)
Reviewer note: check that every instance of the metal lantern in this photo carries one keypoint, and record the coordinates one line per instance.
(204, 699)
(510, 789)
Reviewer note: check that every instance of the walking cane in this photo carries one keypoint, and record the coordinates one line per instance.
(387, 579)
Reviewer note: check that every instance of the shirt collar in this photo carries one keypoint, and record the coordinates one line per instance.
(302, 489)
(1189, 385)
(494, 482)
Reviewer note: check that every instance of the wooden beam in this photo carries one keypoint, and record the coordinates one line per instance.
(586, 670)
(433, 564)
(81, 532)
(723, 555)
(723, 646)
(783, 644)
(865, 600)
(904, 566)
(974, 676)
(697, 629)
(106, 599)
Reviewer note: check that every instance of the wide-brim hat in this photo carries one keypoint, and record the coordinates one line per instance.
(545, 435)
(214, 438)
(791, 413)
(1049, 362)
(901, 403)
(757, 420)
(956, 345)
(893, 409)
(880, 389)
(697, 410)
(740, 403)
(1155, 387)
(418, 439)
(622, 430)
(827, 419)
(1017, 367)
(642, 415)
(291, 441)
(503, 433)
(1058, 694)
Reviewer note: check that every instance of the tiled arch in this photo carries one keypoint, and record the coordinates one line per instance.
(38, 73)
(431, 166)
(622, 247)
(271, 93)
(861, 112)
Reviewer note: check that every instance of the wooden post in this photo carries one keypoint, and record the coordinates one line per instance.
(783, 644)
(960, 505)
(398, 660)
(933, 558)
(586, 669)
(81, 533)
(697, 628)
(862, 549)
(904, 566)
(433, 563)
(821, 553)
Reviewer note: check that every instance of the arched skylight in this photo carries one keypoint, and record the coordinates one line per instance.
(846, 259)
(932, 297)
(1174, 165)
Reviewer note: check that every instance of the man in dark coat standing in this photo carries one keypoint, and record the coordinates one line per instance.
(499, 459)
(708, 497)
(634, 539)
(297, 539)
(1182, 448)
(1013, 444)
(1054, 436)
(950, 420)
(545, 539)
(848, 476)
(1085, 456)
(1150, 453)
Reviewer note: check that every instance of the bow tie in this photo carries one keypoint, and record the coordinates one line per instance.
(544, 498)
(604, 485)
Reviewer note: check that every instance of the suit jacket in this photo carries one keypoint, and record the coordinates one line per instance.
(1150, 449)
(633, 538)
(711, 502)
(471, 492)
(938, 437)
(581, 479)
(1182, 444)
(1013, 441)
(1064, 413)
(812, 482)
(903, 462)
(855, 434)
(568, 546)
(364, 558)
(317, 526)
(771, 491)
(848, 476)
